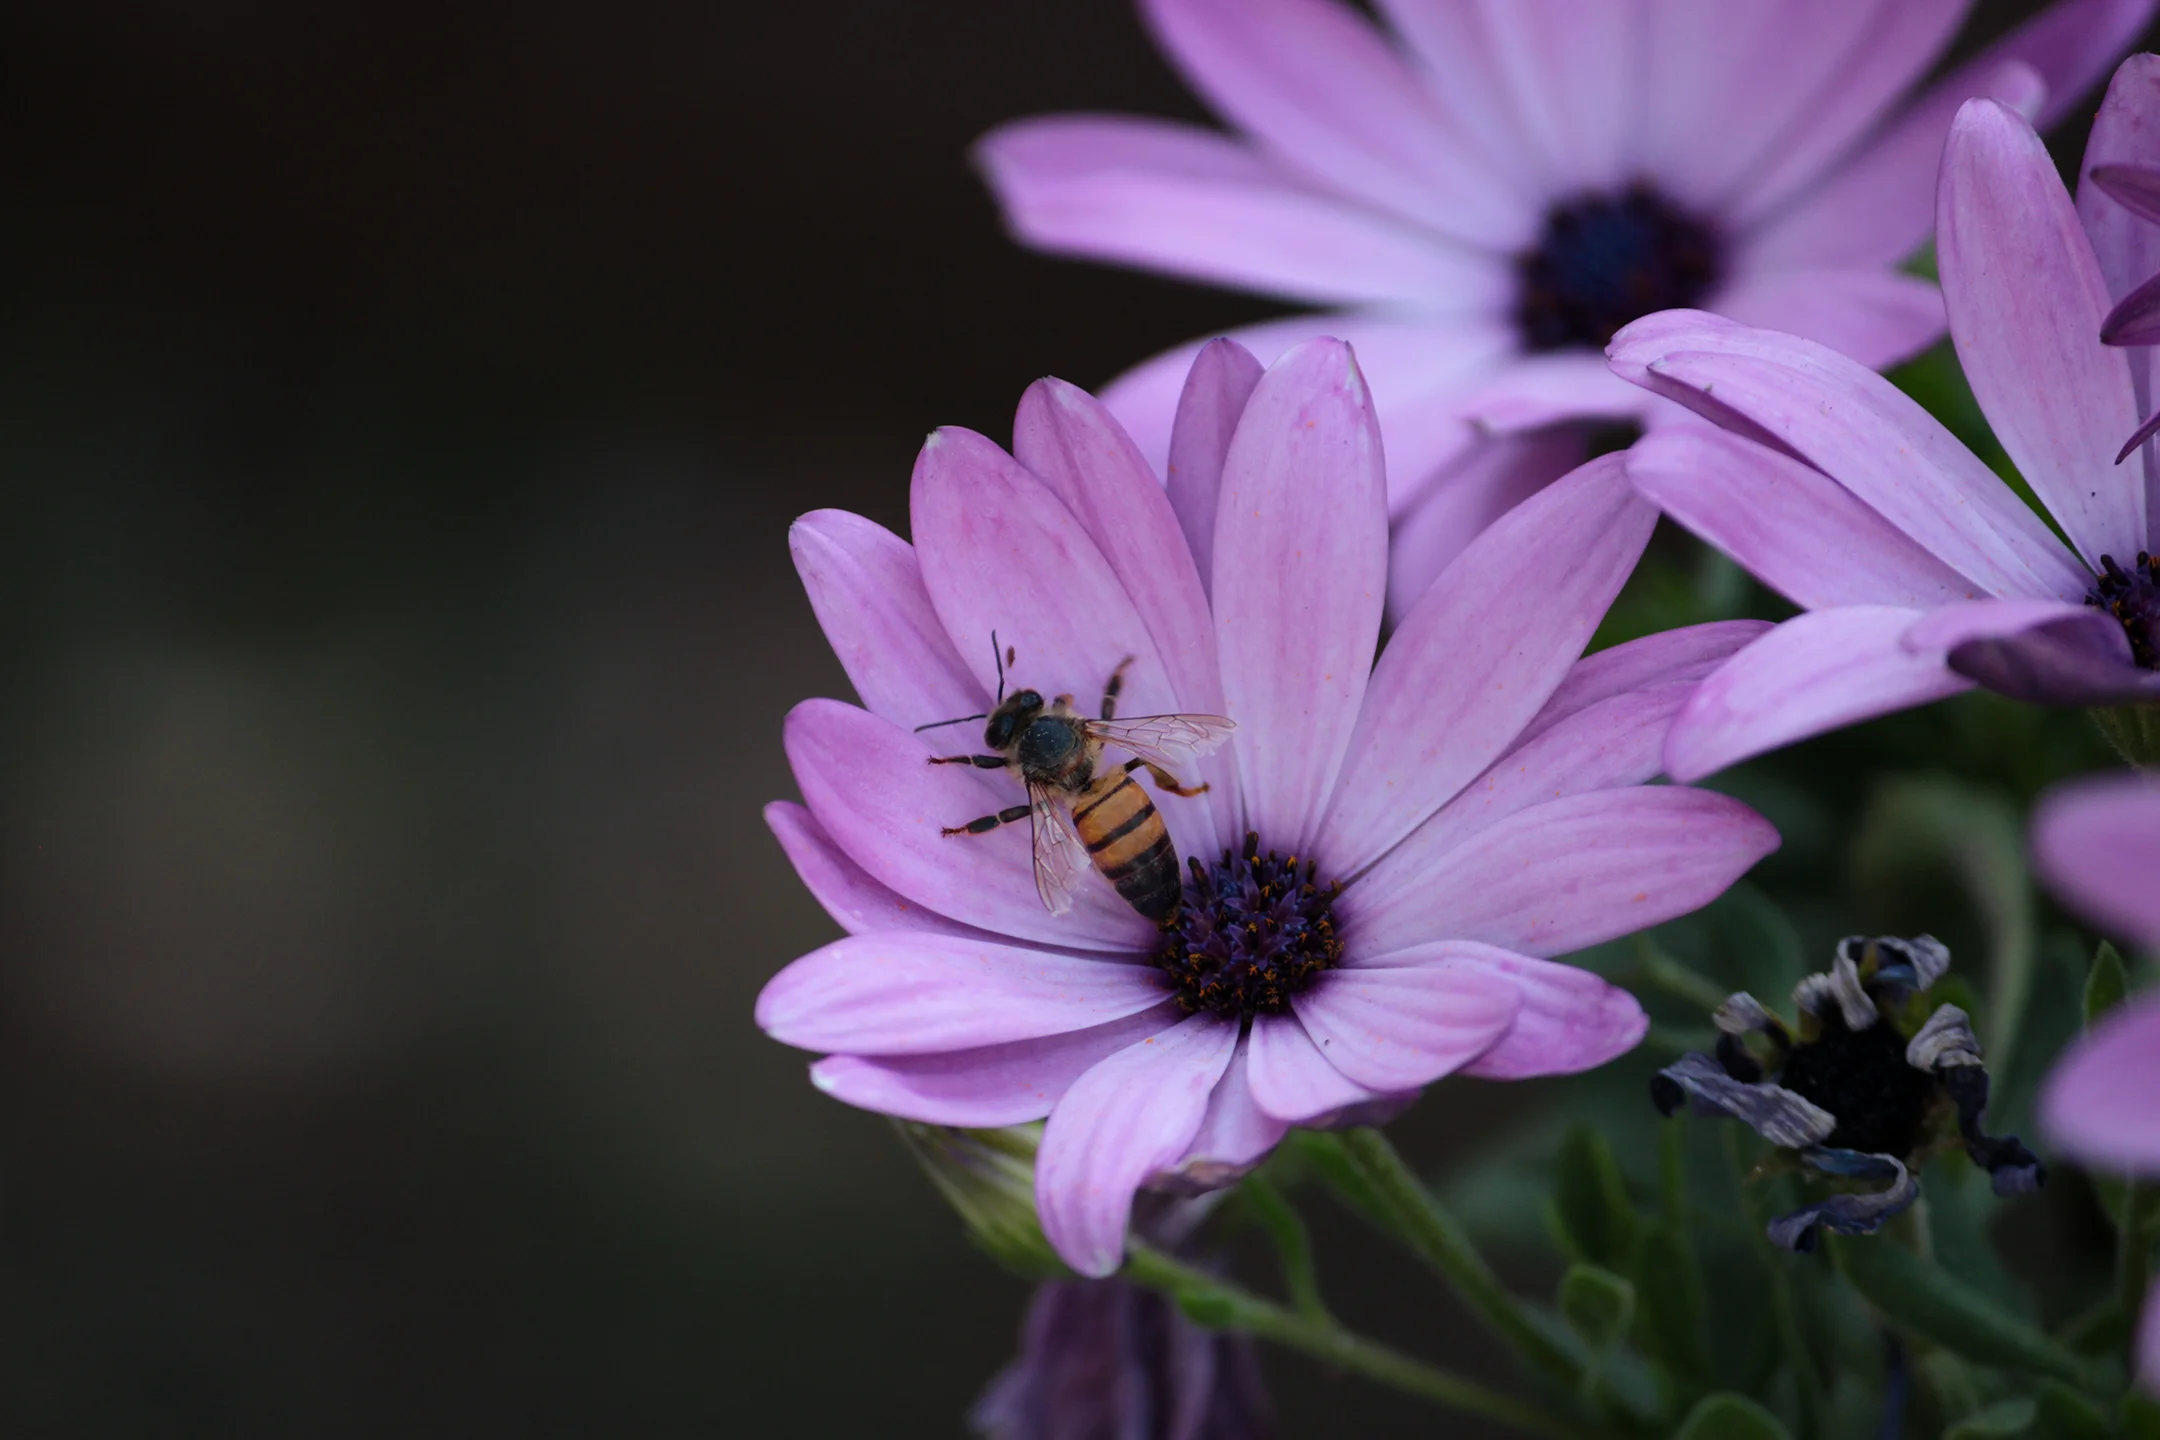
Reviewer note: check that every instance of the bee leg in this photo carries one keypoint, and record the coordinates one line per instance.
(1112, 686)
(980, 762)
(1164, 780)
(988, 822)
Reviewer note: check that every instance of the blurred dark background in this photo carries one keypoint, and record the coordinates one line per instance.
(401, 410)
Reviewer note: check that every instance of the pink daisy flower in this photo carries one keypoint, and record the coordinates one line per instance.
(1389, 852)
(2097, 844)
(1484, 193)
(1922, 572)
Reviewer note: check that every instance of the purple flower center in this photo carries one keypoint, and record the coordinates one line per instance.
(1604, 260)
(2133, 597)
(1253, 930)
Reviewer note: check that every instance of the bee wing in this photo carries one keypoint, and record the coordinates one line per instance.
(1058, 857)
(1171, 741)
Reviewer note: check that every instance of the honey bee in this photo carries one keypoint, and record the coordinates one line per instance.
(1075, 803)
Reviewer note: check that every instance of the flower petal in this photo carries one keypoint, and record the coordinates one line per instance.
(1571, 71)
(1007, 1084)
(2073, 44)
(2125, 241)
(1859, 72)
(856, 902)
(1066, 437)
(2081, 659)
(916, 994)
(1878, 317)
(1540, 390)
(1491, 479)
(867, 592)
(2026, 300)
(1221, 380)
(1001, 554)
(871, 787)
(2136, 187)
(1819, 672)
(1569, 1021)
(2119, 195)
(1480, 653)
(1300, 561)
(1741, 64)
(1986, 619)
(2097, 1102)
(1569, 873)
(1291, 1079)
(2097, 844)
(1426, 363)
(1420, 1015)
(1191, 202)
(1686, 654)
(1787, 524)
(1613, 742)
(1122, 1121)
(1317, 84)
(1877, 209)
(1864, 433)
(1235, 1135)
(2135, 320)
(1070, 441)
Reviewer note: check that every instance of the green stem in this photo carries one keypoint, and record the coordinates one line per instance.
(1287, 1229)
(2133, 1245)
(1660, 971)
(1421, 1220)
(1672, 1177)
(1228, 1306)
(1785, 1313)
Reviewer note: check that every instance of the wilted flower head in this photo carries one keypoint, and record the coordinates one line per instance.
(1388, 852)
(2097, 844)
(1489, 189)
(1857, 1087)
(1922, 571)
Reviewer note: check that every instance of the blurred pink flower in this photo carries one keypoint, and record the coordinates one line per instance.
(1478, 795)
(1922, 571)
(2097, 844)
(1493, 188)
(2119, 200)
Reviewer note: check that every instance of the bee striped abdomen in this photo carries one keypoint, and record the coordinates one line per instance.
(1129, 844)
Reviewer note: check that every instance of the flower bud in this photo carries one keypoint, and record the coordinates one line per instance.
(989, 1177)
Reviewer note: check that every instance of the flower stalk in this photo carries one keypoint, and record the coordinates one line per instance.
(1215, 1302)
(1417, 1216)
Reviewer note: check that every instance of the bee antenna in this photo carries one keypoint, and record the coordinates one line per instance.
(997, 657)
(962, 720)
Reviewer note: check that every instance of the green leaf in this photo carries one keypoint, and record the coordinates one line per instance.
(1726, 1416)
(1669, 1291)
(1598, 1305)
(2105, 984)
(2005, 1418)
(1918, 827)
(2139, 1418)
(2064, 1414)
(1597, 1220)
(1934, 1304)
(1759, 948)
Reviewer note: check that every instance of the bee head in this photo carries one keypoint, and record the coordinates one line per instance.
(1011, 717)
